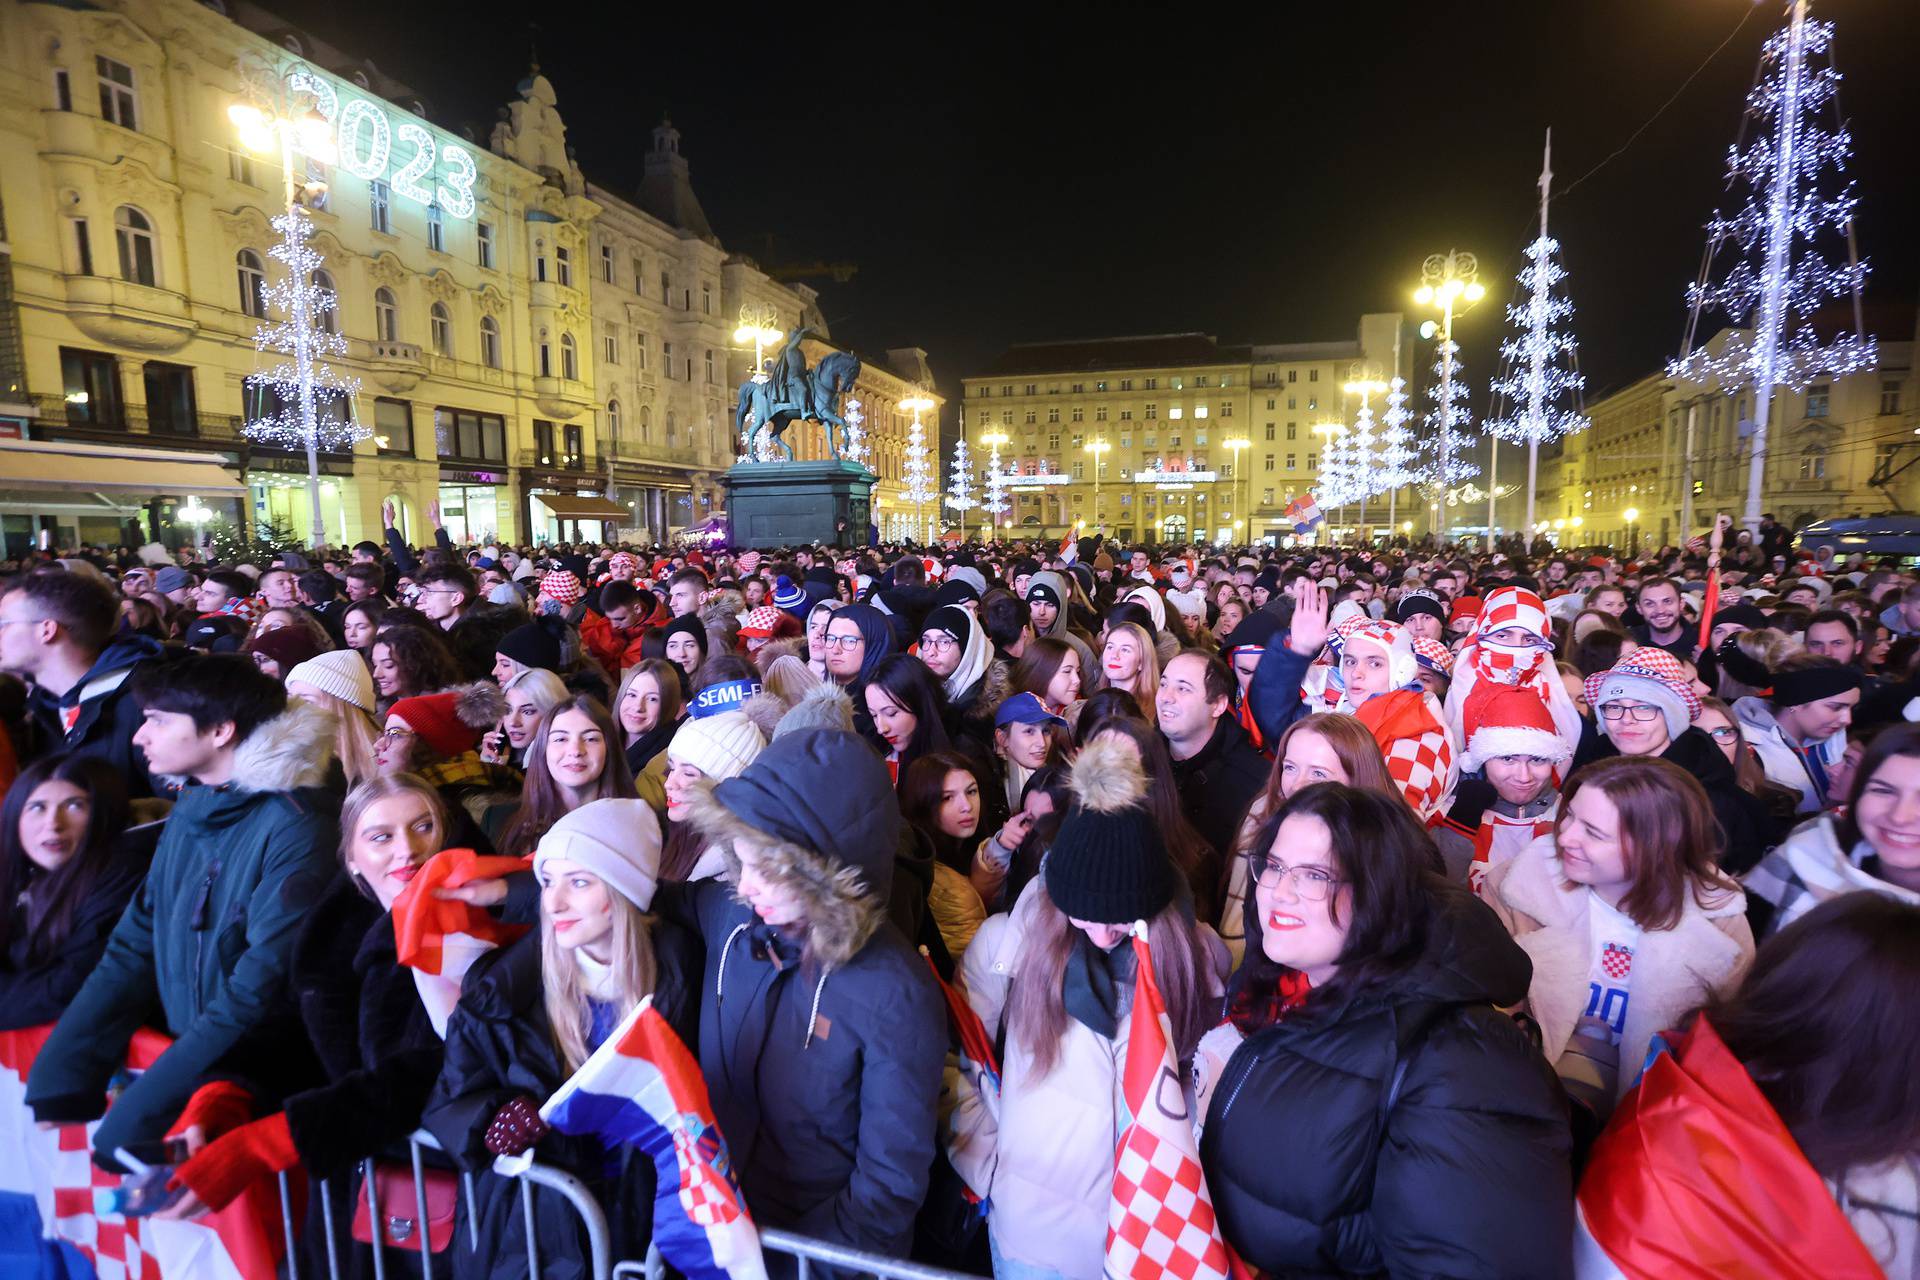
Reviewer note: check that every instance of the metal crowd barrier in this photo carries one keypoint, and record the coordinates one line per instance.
(804, 1249)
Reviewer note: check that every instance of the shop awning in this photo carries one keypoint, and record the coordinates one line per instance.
(21, 468)
(571, 506)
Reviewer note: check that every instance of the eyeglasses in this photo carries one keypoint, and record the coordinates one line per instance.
(397, 735)
(1641, 713)
(939, 642)
(1725, 733)
(1314, 884)
(844, 642)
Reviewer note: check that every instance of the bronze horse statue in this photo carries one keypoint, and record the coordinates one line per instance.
(791, 392)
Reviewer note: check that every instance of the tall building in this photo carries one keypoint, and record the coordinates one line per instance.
(1172, 437)
(537, 357)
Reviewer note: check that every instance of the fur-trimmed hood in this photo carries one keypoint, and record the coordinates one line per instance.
(819, 806)
(290, 751)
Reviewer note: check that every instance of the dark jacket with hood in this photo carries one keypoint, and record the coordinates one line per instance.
(1219, 782)
(1273, 696)
(1468, 1173)
(1746, 826)
(823, 1048)
(107, 715)
(499, 1048)
(206, 944)
(36, 990)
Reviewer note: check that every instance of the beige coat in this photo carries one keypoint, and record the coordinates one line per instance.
(1674, 970)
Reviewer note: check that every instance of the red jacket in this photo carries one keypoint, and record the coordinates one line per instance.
(614, 650)
(1697, 1177)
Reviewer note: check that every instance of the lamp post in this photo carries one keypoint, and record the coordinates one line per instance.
(1236, 446)
(1449, 281)
(1630, 515)
(1098, 447)
(282, 127)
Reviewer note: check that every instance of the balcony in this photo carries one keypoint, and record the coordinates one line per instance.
(219, 431)
(396, 366)
(559, 460)
(123, 314)
(562, 398)
(546, 293)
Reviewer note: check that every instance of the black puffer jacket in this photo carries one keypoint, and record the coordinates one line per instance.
(498, 1048)
(1472, 1175)
(34, 990)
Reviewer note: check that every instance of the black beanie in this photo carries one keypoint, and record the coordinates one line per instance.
(1109, 864)
(951, 619)
(532, 645)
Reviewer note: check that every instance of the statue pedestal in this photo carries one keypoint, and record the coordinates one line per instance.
(774, 504)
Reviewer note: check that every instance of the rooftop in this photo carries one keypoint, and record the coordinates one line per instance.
(1152, 351)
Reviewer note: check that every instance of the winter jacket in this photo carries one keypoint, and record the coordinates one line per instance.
(1273, 697)
(1747, 830)
(475, 638)
(1780, 759)
(207, 942)
(906, 608)
(1674, 970)
(1045, 1164)
(1808, 869)
(612, 649)
(500, 1047)
(1217, 785)
(35, 993)
(105, 714)
(823, 1054)
(1481, 830)
(1468, 1173)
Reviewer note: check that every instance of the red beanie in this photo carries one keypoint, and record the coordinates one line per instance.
(452, 720)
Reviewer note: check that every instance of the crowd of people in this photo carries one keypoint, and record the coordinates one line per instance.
(1516, 913)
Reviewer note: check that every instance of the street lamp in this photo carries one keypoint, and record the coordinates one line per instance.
(1235, 446)
(761, 327)
(1098, 447)
(1630, 515)
(1449, 281)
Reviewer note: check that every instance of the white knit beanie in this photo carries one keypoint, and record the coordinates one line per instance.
(340, 672)
(720, 746)
(617, 840)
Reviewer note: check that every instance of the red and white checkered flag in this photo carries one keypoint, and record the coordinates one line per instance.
(1161, 1220)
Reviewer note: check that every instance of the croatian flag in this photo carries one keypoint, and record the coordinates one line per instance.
(642, 1088)
(439, 940)
(1069, 548)
(1161, 1220)
(1304, 512)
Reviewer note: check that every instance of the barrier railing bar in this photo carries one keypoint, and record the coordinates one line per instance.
(333, 1246)
(373, 1215)
(286, 1219)
(423, 1232)
(807, 1248)
(526, 1210)
(576, 1193)
(473, 1219)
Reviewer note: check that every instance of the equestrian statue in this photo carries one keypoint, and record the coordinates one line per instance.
(788, 391)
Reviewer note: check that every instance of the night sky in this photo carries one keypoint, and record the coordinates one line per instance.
(1259, 175)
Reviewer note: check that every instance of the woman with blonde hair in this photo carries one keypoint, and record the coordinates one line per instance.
(1747, 658)
(338, 681)
(530, 1020)
(1129, 661)
(650, 705)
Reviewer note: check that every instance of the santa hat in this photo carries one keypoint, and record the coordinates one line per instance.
(1510, 722)
(452, 721)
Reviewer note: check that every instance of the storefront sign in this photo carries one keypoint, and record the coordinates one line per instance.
(448, 476)
(298, 466)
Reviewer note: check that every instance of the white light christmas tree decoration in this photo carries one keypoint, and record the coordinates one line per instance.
(1447, 422)
(1770, 266)
(996, 503)
(855, 447)
(300, 382)
(960, 486)
(918, 472)
(1541, 385)
(1362, 461)
(1397, 457)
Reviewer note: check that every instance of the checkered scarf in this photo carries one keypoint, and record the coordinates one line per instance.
(1506, 663)
(1417, 747)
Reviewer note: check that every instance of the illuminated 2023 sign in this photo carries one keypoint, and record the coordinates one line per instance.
(405, 156)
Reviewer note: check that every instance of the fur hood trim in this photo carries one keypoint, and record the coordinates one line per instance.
(826, 706)
(995, 688)
(290, 751)
(842, 912)
(480, 705)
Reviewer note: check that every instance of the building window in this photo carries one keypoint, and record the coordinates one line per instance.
(1226, 408)
(82, 247)
(666, 359)
(1819, 398)
(639, 275)
(569, 358)
(673, 428)
(1313, 462)
(170, 405)
(240, 167)
(1053, 442)
(327, 315)
(1153, 384)
(706, 302)
(606, 263)
(489, 342)
(1293, 375)
(1889, 397)
(1813, 465)
(575, 457)
(1100, 413)
(92, 381)
(639, 350)
(546, 358)
(1269, 433)
(613, 419)
(1079, 471)
(1293, 430)
(117, 102)
(1031, 418)
(393, 426)
(646, 424)
(611, 346)
(563, 266)
(1313, 375)
(1153, 412)
(440, 328)
(1126, 415)
(709, 365)
(666, 288)
(484, 252)
(1006, 417)
(378, 200)
(472, 437)
(1053, 415)
(253, 284)
(1079, 414)
(62, 90)
(386, 316)
(1126, 384)
(133, 234)
(436, 229)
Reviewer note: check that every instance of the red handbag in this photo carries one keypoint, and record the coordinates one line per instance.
(400, 1208)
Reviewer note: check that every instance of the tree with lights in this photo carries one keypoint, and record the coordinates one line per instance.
(1398, 458)
(960, 487)
(291, 391)
(1542, 382)
(1447, 424)
(1766, 268)
(996, 503)
(854, 448)
(918, 473)
(1362, 461)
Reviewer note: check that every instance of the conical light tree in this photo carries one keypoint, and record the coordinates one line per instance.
(1447, 423)
(918, 472)
(855, 447)
(1789, 248)
(995, 504)
(960, 487)
(1363, 462)
(1542, 382)
(1398, 459)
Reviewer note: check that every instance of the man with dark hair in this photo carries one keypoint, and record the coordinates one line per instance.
(279, 587)
(614, 635)
(320, 596)
(474, 627)
(685, 590)
(1665, 625)
(57, 630)
(366, 553)
(365, 582)
(1216, 769)
(221, 586)
(1832, 633)
(208, 939)
(446, 593)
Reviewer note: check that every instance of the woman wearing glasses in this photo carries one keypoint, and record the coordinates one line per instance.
(858, 638)
(1364, 1042)
(1646, 706)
